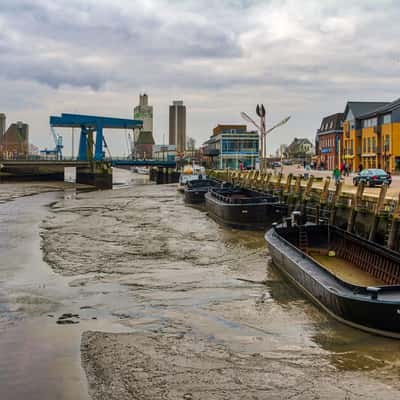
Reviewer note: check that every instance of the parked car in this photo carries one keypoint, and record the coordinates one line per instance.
(276, 164)
(372, 177)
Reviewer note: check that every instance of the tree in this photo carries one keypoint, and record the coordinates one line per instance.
(190, 143)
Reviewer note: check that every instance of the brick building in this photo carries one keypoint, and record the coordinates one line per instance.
(144, 145)
(329, 141)
(14, 142)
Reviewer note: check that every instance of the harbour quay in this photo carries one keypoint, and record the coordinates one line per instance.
(373, 215)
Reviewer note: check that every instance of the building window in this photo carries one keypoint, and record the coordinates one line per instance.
(387, 119)
(374, 145)
(365, 145)
(368, 123)
(387, 144)
(369, 145)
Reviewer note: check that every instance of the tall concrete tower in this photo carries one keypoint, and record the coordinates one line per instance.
(177, 125)
(143, 138)
(144, 112)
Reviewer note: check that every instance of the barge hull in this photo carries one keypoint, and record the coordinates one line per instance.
(194, 196)
(373, 316)
(243, 216)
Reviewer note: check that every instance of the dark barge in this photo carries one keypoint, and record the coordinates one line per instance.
(243, 209)
(356, 281)
(195, 190)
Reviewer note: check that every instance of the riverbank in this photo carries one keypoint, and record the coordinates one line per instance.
(209, 317)
(170, 304)
(11, 191)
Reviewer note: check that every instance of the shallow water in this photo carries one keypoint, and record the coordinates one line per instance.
(141, 262)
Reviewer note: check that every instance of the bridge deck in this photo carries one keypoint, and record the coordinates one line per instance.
(83, 163)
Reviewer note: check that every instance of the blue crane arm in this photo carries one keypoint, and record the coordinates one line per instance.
(93, 122)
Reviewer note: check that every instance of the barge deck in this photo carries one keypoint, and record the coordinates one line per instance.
(371, 304)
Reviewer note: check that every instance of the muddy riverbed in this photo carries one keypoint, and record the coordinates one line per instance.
(163, 303)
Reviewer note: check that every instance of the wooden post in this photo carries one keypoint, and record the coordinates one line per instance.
(260, 179)
(288, 183)
(392, 240)
(307, 191)
(278, 181)
(323, 198)
(378, 207)
(297, 185)
(325, 191)
(253, 184)
(335, 201)
(306, 196)
(266, 181)
(355, 206)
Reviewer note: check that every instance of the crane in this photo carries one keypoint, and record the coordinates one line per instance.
(58, 141)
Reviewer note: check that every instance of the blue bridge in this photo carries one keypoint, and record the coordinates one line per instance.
(142, 163)
(92, 167)
(90, 125)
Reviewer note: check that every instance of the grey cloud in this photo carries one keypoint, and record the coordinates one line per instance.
(287, 50)
(126, 39)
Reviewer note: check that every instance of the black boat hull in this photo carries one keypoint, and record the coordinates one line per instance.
(256, 216)
(362, 312)
(196, 189)
(195, 196)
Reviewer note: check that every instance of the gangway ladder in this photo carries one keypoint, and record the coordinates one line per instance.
(303, 238)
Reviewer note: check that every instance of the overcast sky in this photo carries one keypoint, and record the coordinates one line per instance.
(303, 58)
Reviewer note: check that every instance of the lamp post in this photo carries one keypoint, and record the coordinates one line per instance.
(260, 110)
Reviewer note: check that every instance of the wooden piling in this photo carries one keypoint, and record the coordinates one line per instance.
(335, 200)
(355, 207)
(392, 240)
(288, 183)
(378, 207)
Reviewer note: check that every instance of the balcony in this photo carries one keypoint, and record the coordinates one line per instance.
(211, 152)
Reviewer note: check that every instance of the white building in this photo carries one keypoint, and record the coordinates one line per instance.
(144, 112)
(165, 152)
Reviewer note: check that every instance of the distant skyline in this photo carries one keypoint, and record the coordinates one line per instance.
(299, 58)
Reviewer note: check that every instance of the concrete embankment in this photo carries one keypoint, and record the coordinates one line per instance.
(373, 214)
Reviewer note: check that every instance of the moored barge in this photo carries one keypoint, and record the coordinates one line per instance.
(196, 189)
(242, 208)
(356, 281)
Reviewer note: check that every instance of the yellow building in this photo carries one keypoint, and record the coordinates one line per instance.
(369, 135)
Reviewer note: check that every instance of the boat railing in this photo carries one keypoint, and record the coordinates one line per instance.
(227, 196)
(287, 234)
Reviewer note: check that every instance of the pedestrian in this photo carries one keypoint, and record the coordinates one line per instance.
(241, 166)
(346, 169)
(341, 168)
(360, 167)
(336, 175)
